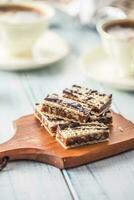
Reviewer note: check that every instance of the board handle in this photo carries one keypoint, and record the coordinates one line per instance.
(3, 162)
(9, 150)
(5, 149)
(18, 149)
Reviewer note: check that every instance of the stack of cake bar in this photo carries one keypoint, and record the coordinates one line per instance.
(77, 117)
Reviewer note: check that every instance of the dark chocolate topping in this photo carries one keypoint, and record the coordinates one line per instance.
(92, 99)
(66, 102)
(52, 98)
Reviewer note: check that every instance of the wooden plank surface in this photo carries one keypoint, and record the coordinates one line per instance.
(106, 179)
(24, 180)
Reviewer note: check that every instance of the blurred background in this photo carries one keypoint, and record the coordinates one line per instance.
(88, 12)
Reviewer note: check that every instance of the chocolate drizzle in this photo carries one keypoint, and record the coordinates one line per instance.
(95, 101)
(83, 134)
(61, 101)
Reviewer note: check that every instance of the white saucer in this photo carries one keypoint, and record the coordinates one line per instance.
(50, 49)
(99, 67)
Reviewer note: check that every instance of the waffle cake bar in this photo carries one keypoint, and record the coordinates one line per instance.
(89, 133)
(51, 123)
(98, 103)
(67, 109)
(75, 110)
(79, 116)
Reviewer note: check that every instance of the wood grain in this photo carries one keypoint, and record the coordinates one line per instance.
(32, 142)
(36, 180)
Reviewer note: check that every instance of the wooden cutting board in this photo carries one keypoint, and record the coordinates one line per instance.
(32, 142)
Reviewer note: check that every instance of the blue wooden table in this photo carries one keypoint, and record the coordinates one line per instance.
(109, 179)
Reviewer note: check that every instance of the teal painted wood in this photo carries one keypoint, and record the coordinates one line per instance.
(24, 180)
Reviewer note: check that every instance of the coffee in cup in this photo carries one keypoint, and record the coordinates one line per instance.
(118, 41)
(21, 25)
(19, 14)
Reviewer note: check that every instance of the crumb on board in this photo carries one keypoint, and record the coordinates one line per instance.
(120, 129)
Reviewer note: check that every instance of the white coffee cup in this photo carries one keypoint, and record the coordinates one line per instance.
(121, 50)
(18, 38)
